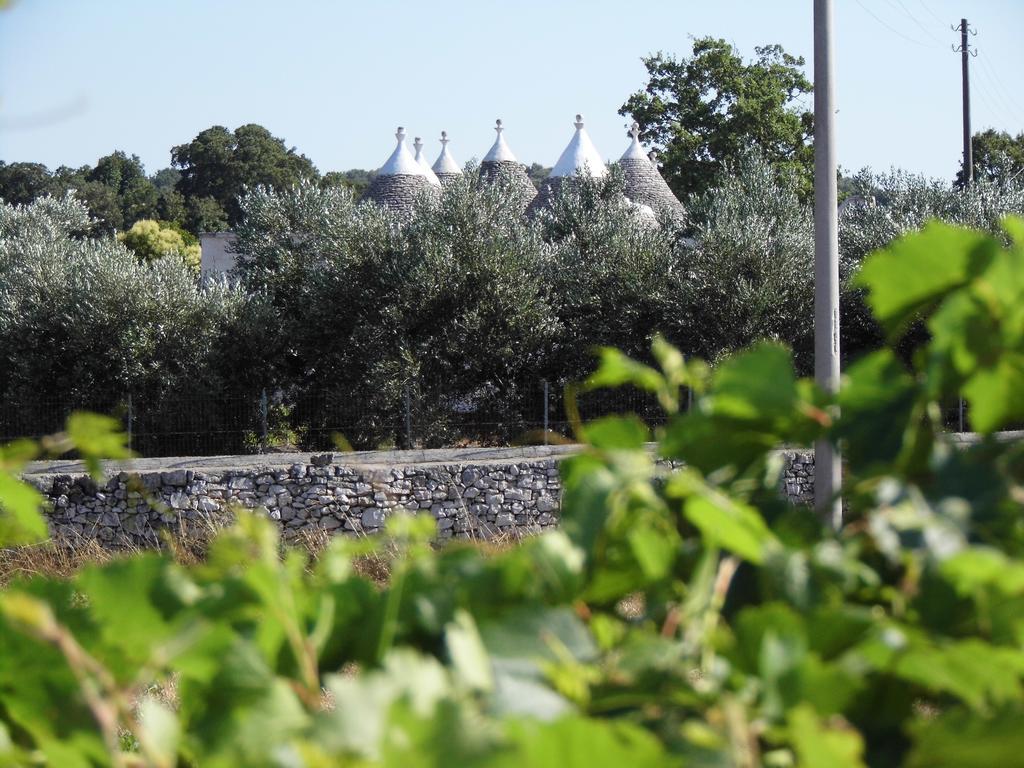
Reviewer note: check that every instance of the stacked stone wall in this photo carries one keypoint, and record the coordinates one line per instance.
(517, 496)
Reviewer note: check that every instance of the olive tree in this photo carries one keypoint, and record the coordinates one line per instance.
(747, 272)
(84, 323)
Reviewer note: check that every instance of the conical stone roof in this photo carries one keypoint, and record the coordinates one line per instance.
(499, 162)
(422, 160)
(399, 181)
(445, 167)
(643, 183)
(579, 156)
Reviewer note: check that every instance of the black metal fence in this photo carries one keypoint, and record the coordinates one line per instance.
(415, 415)
(418, 414)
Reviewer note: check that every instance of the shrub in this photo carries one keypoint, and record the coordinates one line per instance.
(150, 240)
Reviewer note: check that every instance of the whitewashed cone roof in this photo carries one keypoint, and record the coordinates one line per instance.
(422, 160)
(499, 162)
(580, 155)
(445, 165)
(499, 151)
(401, 162)
(399, 181)
(642, 183)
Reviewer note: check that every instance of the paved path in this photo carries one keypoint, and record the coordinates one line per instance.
(355, 458)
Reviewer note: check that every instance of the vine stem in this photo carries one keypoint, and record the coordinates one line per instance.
(723, 579)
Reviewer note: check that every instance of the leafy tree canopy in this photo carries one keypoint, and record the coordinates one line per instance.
(220, 164)
(998, 156)
(22, 183)
(701, 111)
(355, 179)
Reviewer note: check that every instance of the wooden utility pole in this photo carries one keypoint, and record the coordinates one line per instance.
(827, 460)
(968, 171)
(965, 57)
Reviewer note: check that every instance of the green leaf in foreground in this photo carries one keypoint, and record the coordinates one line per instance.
(821, 746)
(97, 437)
(20, 518)
(920, 269)
(729, 524)
(575, 742)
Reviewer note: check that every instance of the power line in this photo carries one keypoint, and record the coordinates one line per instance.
(989, 97)
(1004, 96)
(891, 28)
(925, 6)
(918, 23)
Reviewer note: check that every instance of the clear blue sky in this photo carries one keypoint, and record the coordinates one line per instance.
(80, 79)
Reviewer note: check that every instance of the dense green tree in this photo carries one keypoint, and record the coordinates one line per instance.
(355, 179)
(537, 172)
(204, 214)
(220, 164)
(170, 206)
(700, 112)
(103, 204)
(21, 183)
(998, 156)
(165, 178)
(125, 175)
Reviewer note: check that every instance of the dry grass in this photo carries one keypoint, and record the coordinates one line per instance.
(62, 559)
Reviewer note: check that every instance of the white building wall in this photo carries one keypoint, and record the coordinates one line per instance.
(217, 251)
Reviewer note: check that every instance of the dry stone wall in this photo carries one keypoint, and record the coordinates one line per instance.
(516, 495)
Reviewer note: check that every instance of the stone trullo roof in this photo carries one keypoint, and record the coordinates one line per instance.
(499, 162)
(579, 156)
(399, 181)
(445, 167)
(642, 182)
(422, 160)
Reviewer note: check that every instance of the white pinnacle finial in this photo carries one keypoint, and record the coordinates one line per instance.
(579, 122)
(653, 156)
(498, 127)
(417, 145)
(634, 130)
(444, 138)
(400, 134)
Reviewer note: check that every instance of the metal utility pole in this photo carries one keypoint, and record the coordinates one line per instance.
(965, 53)
(827, 460)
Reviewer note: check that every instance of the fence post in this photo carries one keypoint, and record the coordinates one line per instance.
(961, 409)
(263, 420)
(547, 407)
(130, 419)
(407, 399)
(689, 393)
